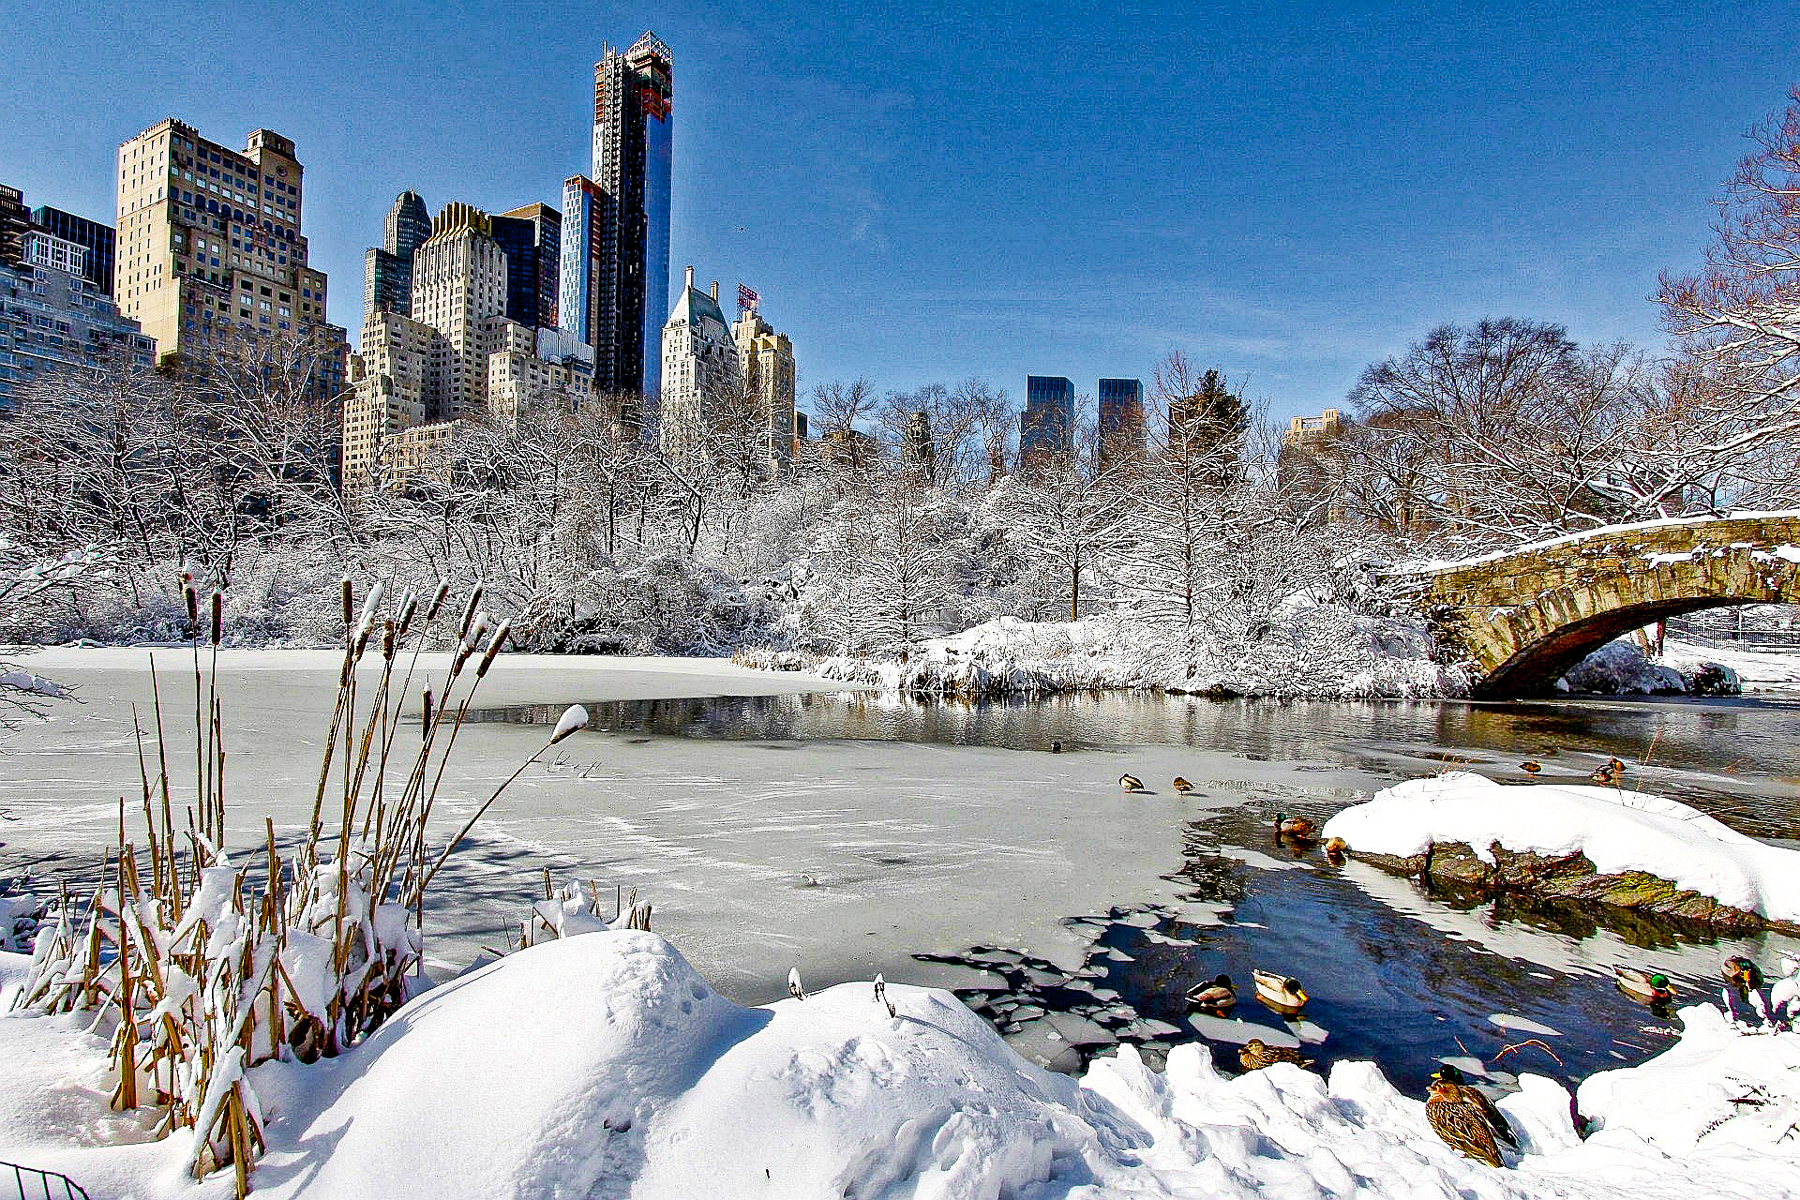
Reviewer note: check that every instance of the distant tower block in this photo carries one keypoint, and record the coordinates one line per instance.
(1047, 428)
(1121, 421)
(614, 289)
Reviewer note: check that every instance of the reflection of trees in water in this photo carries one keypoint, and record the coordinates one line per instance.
(1210, 875)
(1748, 743)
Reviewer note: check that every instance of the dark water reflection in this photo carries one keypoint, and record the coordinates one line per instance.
(1397, 973)
(1736, 758)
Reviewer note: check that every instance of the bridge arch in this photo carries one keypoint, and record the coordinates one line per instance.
(1522, 618)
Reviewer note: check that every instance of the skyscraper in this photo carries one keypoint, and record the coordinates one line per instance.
(1121, 420)
(1047, 428)
(387, 269)
(209, 245)
(97, 238)
(532, 239)
(700, 366)
(766, 365)
(615, 258)
(457, 355)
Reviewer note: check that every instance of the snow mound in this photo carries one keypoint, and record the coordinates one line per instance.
(1618, 831)
(1713, 1093)
(582, 1064)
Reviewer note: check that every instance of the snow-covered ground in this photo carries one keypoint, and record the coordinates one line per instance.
(1759, 669)
(604, 1065)
(1618, 830)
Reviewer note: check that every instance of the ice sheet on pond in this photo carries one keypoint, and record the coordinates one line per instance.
(1237, 1032)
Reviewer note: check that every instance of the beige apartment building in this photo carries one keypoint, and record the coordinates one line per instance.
(210, 244)
(766, 360)
(457, 357)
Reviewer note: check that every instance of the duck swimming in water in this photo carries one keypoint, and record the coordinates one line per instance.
(1280, 992)
(1217, 996)
(1645, 986)
(1297, 829)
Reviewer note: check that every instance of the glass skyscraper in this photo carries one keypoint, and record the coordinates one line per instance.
(1121, 420)
(96, 237)
(615, 251)
(387, 269)
(1047, 429)
(532, 239)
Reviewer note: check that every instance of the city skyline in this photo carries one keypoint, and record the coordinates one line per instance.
(1295, 224)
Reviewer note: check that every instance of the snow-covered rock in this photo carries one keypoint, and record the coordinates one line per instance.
(1617, 830)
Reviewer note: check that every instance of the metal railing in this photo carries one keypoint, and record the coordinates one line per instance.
(34, 1184)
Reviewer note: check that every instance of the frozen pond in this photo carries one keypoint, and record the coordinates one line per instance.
(776, 824)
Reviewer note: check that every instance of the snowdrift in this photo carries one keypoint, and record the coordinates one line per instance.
(1618, 831)
(603, 1065)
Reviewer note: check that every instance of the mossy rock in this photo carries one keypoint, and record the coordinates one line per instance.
(1569, 877)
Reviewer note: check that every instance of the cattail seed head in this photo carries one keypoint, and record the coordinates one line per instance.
(493, 648)
(574, 717)
(387, 640)
(408, 610)
(428, 712)
(437, 600)
(348, 597)
(372, 602)
(193, 605)
(218, 616)
(468, 613)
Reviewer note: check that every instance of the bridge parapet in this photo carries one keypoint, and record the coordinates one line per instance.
(1524, 617)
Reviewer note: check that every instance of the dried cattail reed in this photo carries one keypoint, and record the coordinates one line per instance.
(468, 613)
(493, 648)
(437, 600)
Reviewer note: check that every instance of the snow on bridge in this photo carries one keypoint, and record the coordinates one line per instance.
(1523, 617)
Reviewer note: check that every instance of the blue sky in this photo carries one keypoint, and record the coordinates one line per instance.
(922, 194)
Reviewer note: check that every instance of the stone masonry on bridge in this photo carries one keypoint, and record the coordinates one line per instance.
(1522, 618)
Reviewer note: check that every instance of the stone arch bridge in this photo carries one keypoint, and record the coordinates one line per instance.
(1523, 617)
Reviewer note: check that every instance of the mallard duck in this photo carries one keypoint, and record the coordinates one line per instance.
(1495, 1118)
(1220, 994)
(1257, 1054)
(1298, 829)
(1649, 987)
(1336, 848)
(1611, 773)
(1056, 747)
(1531, 766)
(1183, 786)
(1131, 783)
(1742, 974)
(1458, 1120)
(1279, 992)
